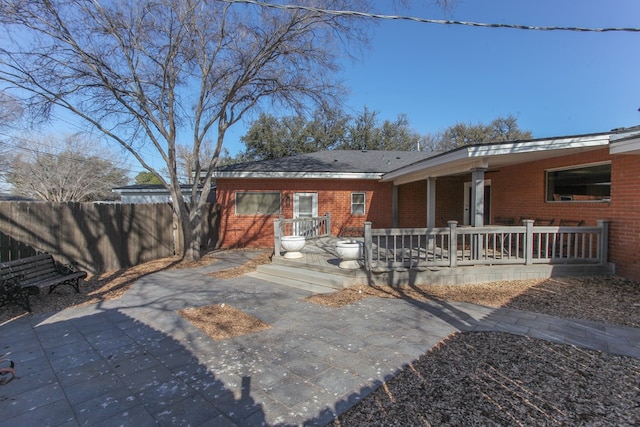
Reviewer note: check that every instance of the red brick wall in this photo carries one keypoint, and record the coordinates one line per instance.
(334, 196)
(520, 191)
(515, 191)
(412, 204)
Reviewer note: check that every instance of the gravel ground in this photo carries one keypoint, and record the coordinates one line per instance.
(497, 379)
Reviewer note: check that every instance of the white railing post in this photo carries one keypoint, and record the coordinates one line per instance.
(277, 234)
(603, 250)
(528, 241)
(328, 225)
(453, 244)
(368, 246)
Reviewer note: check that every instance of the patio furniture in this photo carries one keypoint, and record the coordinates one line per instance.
(26, 276)
(544, 221)
(571, 223)
(504, 220)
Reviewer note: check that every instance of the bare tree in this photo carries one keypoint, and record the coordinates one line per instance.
(143, 71)
(187, 160)
(10, 109)
(73, 169)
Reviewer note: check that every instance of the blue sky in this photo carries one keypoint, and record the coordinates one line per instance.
(554, 83)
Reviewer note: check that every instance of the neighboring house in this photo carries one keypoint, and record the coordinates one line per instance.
(155, 193)
(569, 179)
(7, 197)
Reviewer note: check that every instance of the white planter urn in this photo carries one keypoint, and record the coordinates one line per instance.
(292, 245)
(349, 251)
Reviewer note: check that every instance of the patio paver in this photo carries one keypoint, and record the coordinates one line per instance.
(135, 361)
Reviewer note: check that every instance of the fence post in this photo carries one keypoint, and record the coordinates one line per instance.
(277, 234)
(328, 224)
(453, 243)
(528, 241)
(603, 224)
(368, 246)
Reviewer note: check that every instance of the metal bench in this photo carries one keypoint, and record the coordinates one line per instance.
(26, 276)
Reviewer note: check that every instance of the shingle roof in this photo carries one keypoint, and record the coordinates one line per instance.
(334, 161)
(6, 197)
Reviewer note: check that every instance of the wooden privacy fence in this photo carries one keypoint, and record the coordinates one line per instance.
(98, 236)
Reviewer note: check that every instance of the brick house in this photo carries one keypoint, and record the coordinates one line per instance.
(568, 179)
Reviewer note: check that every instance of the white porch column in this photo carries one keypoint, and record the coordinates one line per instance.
(431, 202)
(477, 197)
(394, 208)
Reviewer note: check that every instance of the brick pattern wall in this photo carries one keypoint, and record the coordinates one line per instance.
(511, 199)
(334, 196)
(516, 191)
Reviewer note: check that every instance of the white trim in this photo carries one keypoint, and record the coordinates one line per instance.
(299, 175)
(466, 208)
(296, 204)
(629, 146)
(580, 166)
(491, 155)
(364, 202)
(235, 203)
(566, 168)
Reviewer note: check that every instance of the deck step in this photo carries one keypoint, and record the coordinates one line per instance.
(313, 281)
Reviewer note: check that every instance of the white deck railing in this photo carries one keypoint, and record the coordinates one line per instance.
(310, 228)
(454, 246)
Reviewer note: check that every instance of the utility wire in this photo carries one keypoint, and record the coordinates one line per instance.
(434, 21)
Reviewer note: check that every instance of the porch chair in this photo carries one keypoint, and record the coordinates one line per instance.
(544, 221)
(504, 220)
(571, 222)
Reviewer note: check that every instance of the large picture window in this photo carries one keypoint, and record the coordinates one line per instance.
(257, 203)
(357, 204)
(588, 183)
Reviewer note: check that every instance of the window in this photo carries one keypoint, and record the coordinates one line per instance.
(580, 184)
(256, 203)
(357, 204)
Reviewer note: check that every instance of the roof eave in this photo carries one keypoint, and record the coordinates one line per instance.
(296, 175)
(481, 156)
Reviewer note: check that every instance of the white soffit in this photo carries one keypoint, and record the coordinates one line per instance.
(627, 146)
(494, 156)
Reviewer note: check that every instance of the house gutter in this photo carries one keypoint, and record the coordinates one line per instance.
(299, 175)
(465, 159)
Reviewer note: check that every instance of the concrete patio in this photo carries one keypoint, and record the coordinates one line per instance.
(136, 361)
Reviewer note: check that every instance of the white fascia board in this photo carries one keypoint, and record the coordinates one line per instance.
(430, 163)
(452, 162)
(628, 146)
(538, 145)
(299, 175)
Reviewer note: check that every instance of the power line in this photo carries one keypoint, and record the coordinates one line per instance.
(434, 21)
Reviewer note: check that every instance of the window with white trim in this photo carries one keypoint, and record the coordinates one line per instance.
(584, 183)
(358, 203)
(257, 203)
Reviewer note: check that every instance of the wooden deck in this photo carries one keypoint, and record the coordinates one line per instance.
(320, 255)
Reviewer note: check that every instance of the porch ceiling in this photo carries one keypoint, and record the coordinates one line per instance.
(493, 156)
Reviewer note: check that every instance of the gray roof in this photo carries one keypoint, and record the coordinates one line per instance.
(333, 161)
(6, 197)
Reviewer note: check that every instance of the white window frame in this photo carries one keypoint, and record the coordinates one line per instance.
(258, 212)
(363, 203)
(564, 198)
